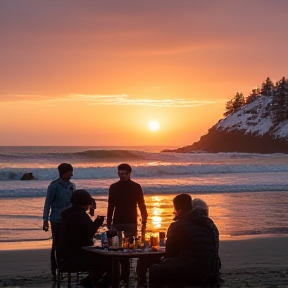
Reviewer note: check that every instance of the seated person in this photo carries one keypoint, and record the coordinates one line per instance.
(191, 247)
(77, 230)
(201, 206)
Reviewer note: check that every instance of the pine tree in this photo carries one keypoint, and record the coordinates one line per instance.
(234, 104)
(267, 87)
(253, 96)
(229, 108)
(280, 101)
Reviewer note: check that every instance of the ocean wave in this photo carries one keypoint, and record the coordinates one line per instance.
(89, 154)
(144, 170)
(78, 154)
(115, 154)
(157, 189)
(267, 231)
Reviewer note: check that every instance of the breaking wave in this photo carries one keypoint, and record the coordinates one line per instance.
(155, 170)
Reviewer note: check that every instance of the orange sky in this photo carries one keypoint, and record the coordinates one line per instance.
(97, 72)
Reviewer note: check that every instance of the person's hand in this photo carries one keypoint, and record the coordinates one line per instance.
(45, 226)
(99, 220)
(91, 211)
(92, 208)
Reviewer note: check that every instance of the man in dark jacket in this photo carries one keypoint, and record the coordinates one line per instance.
(77, 230)
(124, 196)
(192, 248)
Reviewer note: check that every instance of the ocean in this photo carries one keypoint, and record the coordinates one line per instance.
(246, 193)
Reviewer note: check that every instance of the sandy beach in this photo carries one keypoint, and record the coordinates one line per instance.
(255, 262)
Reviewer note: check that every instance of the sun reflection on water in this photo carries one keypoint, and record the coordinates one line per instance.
(156, 213)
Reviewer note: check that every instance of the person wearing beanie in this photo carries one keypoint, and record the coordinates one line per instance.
(191, 248)
(77, 230)
(64, 168)
(57, 199)
(200, 205)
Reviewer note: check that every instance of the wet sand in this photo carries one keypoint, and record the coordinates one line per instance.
(255, 262)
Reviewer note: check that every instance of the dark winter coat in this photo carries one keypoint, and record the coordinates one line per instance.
(192, 246)
(77, 230)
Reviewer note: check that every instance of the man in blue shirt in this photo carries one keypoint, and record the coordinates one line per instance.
(58, 198)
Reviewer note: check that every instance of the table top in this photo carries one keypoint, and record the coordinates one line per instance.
(124, 252)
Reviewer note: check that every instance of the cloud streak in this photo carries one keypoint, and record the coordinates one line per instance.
(114, 100)
(124, 100)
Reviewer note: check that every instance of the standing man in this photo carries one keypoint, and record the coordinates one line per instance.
(124, 196)
(58, 198)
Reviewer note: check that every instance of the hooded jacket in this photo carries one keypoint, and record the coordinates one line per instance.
(58, 197)
(192, 245)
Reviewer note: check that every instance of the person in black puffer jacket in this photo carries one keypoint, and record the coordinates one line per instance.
(191, 247)
(77, 230)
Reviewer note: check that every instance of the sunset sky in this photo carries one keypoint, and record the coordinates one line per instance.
(97, 72)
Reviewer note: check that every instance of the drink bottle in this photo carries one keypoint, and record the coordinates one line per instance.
(104, 240)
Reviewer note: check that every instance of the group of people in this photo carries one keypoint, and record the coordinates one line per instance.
(192, 239)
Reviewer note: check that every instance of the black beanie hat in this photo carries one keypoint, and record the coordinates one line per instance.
(64, 167)
(81, 197)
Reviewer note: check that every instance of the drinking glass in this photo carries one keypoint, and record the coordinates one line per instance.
(154, 241)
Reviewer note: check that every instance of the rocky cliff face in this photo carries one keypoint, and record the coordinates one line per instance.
(250, 129)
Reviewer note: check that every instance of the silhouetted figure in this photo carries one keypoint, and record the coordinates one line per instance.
(77, 230)
(192, 248)
(124, 197)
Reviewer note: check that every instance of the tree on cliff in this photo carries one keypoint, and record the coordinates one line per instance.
(234, 104)
(280, 101)
(253, 96)
(267, 87)
(278, 92)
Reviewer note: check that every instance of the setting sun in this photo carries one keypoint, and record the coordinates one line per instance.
(153, 125)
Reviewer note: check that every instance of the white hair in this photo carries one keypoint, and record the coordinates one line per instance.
(200, 204)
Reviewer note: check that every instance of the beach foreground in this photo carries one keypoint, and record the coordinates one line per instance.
(256, 262)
